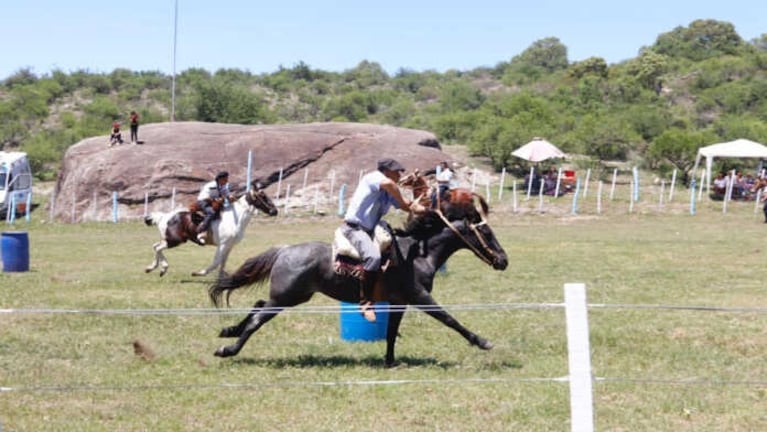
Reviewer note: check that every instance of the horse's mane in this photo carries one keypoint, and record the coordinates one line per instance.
(456, 204)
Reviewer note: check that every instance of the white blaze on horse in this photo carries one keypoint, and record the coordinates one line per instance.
(178, 226)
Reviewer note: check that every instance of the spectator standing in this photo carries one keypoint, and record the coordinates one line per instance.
(133, 127)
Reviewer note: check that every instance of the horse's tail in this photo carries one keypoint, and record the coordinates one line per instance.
(153, 218)
(255, 269)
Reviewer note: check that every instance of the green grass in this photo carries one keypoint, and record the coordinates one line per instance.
(657, 369)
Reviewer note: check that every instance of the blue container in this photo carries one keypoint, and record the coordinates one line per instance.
(15, 249)
(354, 327)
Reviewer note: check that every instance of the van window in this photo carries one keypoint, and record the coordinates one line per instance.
(3, 178)
(23, 181)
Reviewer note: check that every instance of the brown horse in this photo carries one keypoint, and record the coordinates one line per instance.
(421, 190)
(227, 230)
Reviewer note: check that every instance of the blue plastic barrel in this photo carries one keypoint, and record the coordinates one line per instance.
(15, 250)
(354, 327)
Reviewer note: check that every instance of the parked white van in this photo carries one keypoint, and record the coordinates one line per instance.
(15, 181)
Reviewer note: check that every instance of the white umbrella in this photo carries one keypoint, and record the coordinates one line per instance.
(538, 150)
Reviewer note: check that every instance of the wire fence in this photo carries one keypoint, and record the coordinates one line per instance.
(337, 309)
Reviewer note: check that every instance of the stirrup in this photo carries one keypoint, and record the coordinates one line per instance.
(368, 311)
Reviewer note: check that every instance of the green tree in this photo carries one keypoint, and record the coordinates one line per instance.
(543, 57)
(679, 148)
(648, 68)
(366, 74)
(548, 54)
(702, 39)
(459, 95)
(603, 137)
(221, 102)
(596, 66)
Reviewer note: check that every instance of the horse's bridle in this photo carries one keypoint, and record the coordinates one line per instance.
(477, 233)
(255, 196)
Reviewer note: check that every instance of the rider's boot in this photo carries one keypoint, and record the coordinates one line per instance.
(202, 229)
(367, 283)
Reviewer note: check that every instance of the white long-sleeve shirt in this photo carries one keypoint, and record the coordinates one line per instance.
(211, 190)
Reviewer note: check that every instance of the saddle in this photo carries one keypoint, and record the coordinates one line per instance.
(198, 214)
(346, 258)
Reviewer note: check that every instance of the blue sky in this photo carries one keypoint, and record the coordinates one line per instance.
(257, 36)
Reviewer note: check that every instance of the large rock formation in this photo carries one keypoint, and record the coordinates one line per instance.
(181, 156)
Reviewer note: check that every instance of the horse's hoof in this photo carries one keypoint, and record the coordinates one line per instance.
(221, 352)
(482, 343)
(227, 332)
(147, 270)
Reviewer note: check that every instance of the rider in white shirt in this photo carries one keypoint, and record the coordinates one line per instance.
(212, 191)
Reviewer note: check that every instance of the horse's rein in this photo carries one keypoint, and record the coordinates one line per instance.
(474, 229)
(256, 197)
(413, 177)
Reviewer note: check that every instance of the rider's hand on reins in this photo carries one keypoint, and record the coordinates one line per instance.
(417, 208)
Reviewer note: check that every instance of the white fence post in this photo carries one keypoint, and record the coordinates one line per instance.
(579, 358)
(500, 186)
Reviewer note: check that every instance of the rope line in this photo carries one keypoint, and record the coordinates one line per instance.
(390, 308)
(296, 309)
(454, 381)
(679, 307)
(261, 385)
(687, 381)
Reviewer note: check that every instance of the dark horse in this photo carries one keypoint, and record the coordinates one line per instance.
(297, 272)
(227, 230)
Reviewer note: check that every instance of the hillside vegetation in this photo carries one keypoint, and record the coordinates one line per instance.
(694, 86)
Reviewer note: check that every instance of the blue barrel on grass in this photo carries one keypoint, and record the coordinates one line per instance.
(15, 250)
(355, 328)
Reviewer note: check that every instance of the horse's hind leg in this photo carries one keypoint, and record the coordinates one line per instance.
(236, 330)
(163, 263)
(216, 262)
(247, 327)
(158, 257)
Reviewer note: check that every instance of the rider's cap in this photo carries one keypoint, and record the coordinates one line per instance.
(390, 164)
(222, 174)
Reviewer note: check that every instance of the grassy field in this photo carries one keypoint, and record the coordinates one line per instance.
(657, 368)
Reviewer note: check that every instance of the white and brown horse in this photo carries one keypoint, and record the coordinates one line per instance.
(176, 227)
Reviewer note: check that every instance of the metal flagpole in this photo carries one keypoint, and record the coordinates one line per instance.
(173, 81)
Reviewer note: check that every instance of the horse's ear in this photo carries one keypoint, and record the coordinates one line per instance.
(483, 204)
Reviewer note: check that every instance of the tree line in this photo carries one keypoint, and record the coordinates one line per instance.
(696, 85)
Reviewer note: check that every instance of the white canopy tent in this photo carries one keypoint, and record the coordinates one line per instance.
(538, 150)
(740, 148)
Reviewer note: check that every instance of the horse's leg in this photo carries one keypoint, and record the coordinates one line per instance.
(224, 257)
(392, 329)
(249, 325)
(236, 330)
(157, 247)
(426, 303)
(163, 262)
(216, 261)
